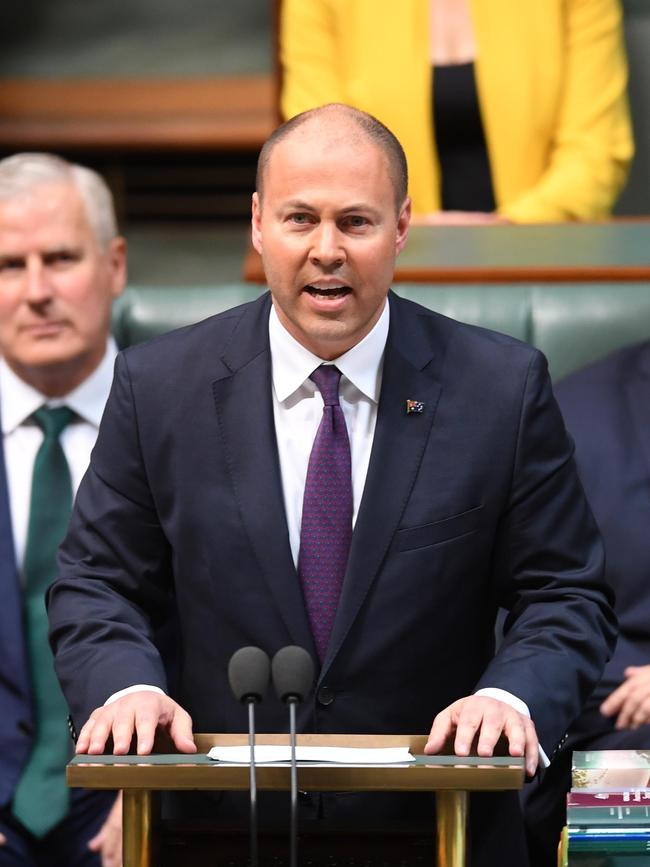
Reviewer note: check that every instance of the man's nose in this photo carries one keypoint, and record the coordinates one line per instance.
(38, 283)
(328, 249)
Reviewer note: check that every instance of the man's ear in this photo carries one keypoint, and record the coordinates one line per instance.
(256, 224)
(117, 264)
(403, 222)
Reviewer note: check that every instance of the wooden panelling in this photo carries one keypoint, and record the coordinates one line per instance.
(137, 114)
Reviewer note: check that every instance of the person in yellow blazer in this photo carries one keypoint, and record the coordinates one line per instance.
(551, 81)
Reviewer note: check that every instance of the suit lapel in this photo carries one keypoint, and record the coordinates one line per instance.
(411, 372)
(245, 417)
(639, 405)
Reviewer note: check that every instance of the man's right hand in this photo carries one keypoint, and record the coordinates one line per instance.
(138, 713)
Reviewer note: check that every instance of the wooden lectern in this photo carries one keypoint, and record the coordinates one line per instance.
(142, 777)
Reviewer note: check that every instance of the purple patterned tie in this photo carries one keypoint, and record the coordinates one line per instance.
(326, 529)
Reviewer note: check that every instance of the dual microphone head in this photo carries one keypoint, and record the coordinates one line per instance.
(292, 673)
(250, 670)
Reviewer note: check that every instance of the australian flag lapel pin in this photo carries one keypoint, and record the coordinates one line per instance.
(414, 407)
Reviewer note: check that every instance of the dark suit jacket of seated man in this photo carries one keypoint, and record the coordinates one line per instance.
(607, 412)
(470, 503)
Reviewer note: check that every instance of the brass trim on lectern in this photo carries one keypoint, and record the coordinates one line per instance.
(451, 810)
(140, 810)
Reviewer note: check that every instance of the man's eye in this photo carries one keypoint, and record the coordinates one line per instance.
(356, 222)
(9, 266)
(300, 219)
(61, 257)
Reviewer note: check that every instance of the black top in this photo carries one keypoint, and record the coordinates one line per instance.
(466, 182)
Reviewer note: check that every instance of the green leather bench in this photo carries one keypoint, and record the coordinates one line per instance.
(571, 323)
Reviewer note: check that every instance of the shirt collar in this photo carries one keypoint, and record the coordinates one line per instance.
(362, 365)
(20, 400)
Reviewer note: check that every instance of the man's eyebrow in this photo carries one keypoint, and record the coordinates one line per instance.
(75, 251)
(362, 208)
(354, 208)
(297, 205)
(62, 248)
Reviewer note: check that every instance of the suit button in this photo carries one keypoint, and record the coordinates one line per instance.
(25, 728)
(325, 696)
(308, 804)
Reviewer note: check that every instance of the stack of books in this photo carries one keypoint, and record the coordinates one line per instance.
(608, 810)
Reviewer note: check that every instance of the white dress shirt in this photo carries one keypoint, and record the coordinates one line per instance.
(22, 437)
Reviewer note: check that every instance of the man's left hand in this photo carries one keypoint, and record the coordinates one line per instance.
(488, 718)
(108, 842)
(630, 702)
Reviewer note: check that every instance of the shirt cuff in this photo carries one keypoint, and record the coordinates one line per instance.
(139, 687)
(519, 705)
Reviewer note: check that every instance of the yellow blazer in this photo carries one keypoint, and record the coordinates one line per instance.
(551, 78)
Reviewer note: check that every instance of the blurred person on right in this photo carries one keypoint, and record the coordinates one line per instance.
(508, 111)
(606, 407)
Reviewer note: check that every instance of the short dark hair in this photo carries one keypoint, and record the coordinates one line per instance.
(374, 129)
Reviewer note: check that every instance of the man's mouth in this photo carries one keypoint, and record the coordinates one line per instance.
(317, 290)
(46, 326)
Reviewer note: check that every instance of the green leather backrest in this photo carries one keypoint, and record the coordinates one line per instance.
(499, 307)
(144, 311)
(575, 324)
(571, 323)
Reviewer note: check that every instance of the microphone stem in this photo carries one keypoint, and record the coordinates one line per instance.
(253, 782)
(293, 859)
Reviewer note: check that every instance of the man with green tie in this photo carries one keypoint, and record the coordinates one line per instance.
(61, 265)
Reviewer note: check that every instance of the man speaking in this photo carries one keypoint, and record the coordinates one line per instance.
(334, 467)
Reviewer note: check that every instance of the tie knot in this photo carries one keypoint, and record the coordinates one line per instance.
(327, 378)
(52, 420)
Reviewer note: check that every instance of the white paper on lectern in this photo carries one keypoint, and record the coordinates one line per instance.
(337, 755)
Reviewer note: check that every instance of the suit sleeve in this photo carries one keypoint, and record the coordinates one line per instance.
(548, 565)
(114, 582)
(592, 144)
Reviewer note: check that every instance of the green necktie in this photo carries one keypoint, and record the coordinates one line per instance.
(41, 798)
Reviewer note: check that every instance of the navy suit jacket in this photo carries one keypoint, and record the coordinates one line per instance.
(607, 411)
(17, 717)
(472, 504)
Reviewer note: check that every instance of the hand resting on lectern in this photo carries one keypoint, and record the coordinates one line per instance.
(490, 719)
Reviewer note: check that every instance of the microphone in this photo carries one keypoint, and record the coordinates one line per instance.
(248, 675)
(292, 670)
